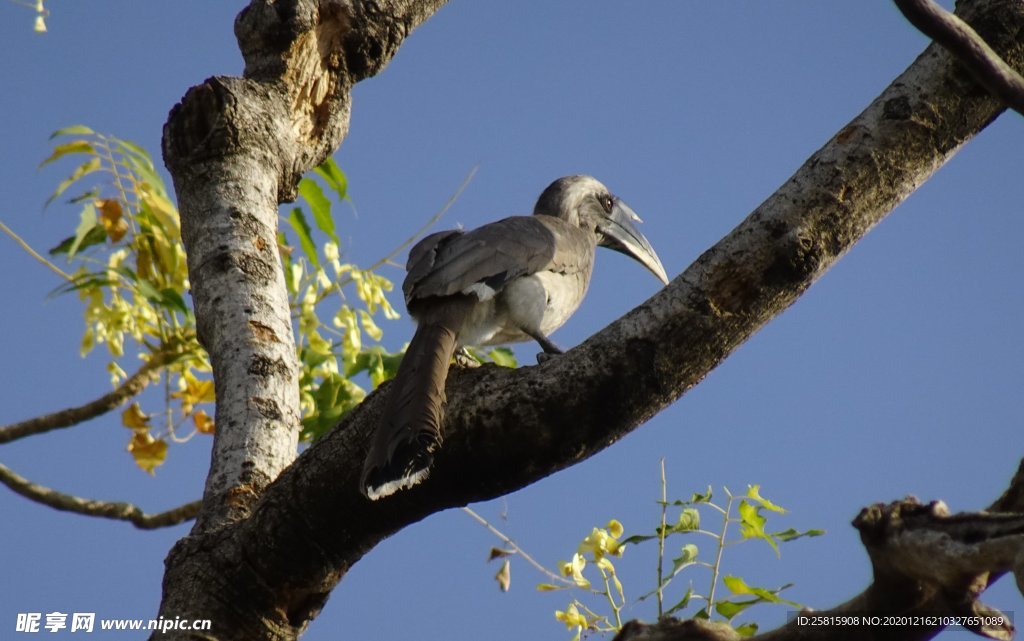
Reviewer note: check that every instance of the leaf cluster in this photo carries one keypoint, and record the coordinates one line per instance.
(331, 324)
(748, 513)
(126, 262)
(127, 266)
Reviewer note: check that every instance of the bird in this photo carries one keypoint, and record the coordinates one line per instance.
(512, 280)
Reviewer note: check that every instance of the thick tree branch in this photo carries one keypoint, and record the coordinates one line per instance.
(969, 48)
(90, 507)
(506, 429)
(71, 416)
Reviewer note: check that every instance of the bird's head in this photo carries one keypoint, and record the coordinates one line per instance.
(586, 203)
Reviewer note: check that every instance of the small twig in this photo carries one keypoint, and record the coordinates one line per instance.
(90, 507)
(75, 415)
(718, 555)
(616, 609)
(33, 253)
(104, 145)
(968, 48)
(430, 223)
(515, 548)
(387, 259)
(661, 540)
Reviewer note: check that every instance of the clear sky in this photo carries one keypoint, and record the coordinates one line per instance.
(898, 373)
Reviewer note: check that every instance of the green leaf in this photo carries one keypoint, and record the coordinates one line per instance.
(167, 297)
(752, 524)
(83, 281)
(638, 538)
(730, 609)
(95, 236)
(129, 275)
(751, 520)
(73, 130)
(173, 299)
(689, 520)
(701, 498)
(754, 494)
(142, 164)
(685, 601)
(502, 356)
(89, 195)
(87, 222)
(688, 556)
(73, 147)
(792, 535)
(89, 166)
(736, 585)
(150, 293)
(373, 357)
(550, 587)
(312, 358)
(320, 206)
(298, 222)
(746, 630)
(147, 176)
(335, 177)
(334, 398)
(131, 149)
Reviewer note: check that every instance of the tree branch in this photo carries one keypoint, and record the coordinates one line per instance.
(508, 428)
(71, 416)
(90, 507)
(969, 48)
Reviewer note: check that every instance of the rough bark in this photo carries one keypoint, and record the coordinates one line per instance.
(236, 148)
(970, 50)
(266, 553)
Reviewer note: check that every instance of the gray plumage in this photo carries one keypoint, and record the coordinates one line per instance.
(507, 281)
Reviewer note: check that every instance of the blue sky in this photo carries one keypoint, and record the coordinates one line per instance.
(898, 373)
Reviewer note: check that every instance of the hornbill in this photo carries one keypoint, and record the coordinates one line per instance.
(508, 281)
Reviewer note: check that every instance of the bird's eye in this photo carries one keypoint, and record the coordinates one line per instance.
(607, 201)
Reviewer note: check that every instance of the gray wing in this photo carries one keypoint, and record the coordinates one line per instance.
(450, 262)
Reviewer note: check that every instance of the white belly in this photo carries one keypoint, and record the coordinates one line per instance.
(540, 303)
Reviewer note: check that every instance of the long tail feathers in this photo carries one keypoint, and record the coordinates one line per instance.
(410, 428)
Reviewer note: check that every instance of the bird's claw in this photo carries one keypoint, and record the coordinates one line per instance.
(464, 359)
(544, 357)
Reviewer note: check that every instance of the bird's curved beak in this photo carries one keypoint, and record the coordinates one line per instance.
(619, 233)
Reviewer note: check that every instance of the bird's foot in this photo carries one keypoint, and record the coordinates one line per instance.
(544, 357)
(464, 359)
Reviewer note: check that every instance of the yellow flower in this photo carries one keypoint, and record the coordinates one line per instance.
(571, 617)
(133, 418)
(204, 424)
(193, 391)
(574, 569)
(614, 528)
(147, 451)
(331, 251)
(601, 542)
